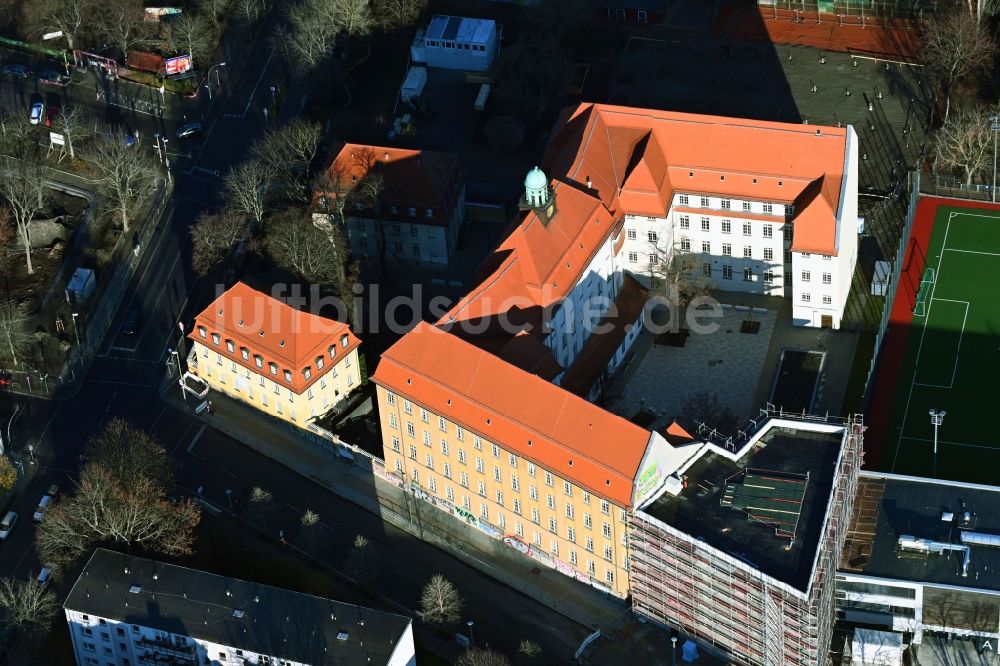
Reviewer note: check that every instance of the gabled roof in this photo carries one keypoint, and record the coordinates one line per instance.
(281, 334)
(525, 414)
(419, 178)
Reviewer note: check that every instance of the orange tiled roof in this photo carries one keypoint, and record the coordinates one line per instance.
(636, 159)
(419, 178)
(533, 418)
(279, 333)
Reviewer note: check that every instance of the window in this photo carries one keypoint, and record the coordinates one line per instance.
(273, 367)
(553, 526)
(514, 483)
(805, 297)
(788, 256)
(746, 205)
(568, 488)
(704, 202)
(706, 247)
(685, 222)
(683, 200)
(531, 469)
(407, 406)
(606, 530)
(533, 492)
(459, 433)
(768, 229)
(572, 557)
(768, 277)
(768, 208)
(805, 276)
(450, 493)
(631, 234)
(413, 452)
(393, 422)
(747, 229)
(727, 272)
(706, 270)
(652, 259)
(747, 252)
(550, 501)
(726, 204)
(827, 278)
(806, 255)
(496, 451)
(589, 544)
(827, 300)
(258, 360)
(395, 443)
(423, 415)
(466, 502)
(787, 232)
(482, 488)
(398, 247)
(605, 507)
(496, 474)
(215, 338)
(479, 465)
(87, 631)
(512, 459)
(447, 470)
(500, 497)
(202, 331)
(705, 224)
(607, 553)
(517, 506)
(548, 479)
(412, 211)
(534, 516)
(442, 424)
(609, 576)
(571, 534)
(444, 447)
(461, 456)
(633, 257)
(686, 244)
(768, 254)
(463, 479)
(748, 275)
(826, 257)
(569, 511)
(427, 438)
(410, 430)
(651, 236)
(727, 227)
(484, 511)
(414, 249)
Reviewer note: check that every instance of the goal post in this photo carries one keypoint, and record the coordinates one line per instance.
(924, 292)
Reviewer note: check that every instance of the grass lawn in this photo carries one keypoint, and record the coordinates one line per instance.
(952, 356)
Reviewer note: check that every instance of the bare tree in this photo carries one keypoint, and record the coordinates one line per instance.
(678, 274)
(22, 185)
(392, 15)
(440, 602)
(26, 603)
(964, 144)
(309, 518)
(956, 47)
(128, 174)
(298, 246)
(529, 649)
(250, 9)
(314, 26)
(70, 17)
(74, 125)
(8, 475)
(193, 34)
(362, 561)
(482, 657)
(531, 76)
(214, 10)
(703, 407)
(120, 23)
(130, 454)
(288, 152)
(8, 240)
(246, 186)
(213, 237)
(14, 337)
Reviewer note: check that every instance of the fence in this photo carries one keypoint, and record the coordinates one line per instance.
(897, 267)
(943, 186)
(862, 10)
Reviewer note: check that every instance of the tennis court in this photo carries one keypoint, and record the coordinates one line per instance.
(952, 359)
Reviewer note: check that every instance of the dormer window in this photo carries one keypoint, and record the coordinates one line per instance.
(394, 209)
(319, 362)
(273, 367)
(258, 360)
(202, 331)
(215, 338)
(288, 375)
(412, 211)
(332, 351)
(230, 346)
(429, 213)
(245, 353)
(307, 373)
(344, 340)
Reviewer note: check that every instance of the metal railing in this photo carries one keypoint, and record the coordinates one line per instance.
(943, 186)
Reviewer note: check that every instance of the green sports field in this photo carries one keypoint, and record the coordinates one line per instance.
(952, 359)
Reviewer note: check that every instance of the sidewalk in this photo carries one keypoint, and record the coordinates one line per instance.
(359, 485)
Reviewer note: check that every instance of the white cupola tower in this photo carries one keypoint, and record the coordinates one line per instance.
(538, 197)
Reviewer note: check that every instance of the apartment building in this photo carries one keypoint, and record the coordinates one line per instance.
(290, 364)
(923, 559)
(741, 546)
(399, 205)
(515, 456)
(131, 611)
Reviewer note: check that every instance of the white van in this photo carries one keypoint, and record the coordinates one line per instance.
(43, 506)
(7, 524)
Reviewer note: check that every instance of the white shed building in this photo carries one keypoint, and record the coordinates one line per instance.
(455, 42)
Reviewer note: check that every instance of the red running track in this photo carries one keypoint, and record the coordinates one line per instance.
(890, 363)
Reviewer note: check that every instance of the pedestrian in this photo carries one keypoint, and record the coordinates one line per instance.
(200, 488)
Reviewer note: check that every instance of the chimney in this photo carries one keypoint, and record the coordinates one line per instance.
(387, 156)
(589, 183)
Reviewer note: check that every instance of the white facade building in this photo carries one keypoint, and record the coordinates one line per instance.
(455, 42)
(129, 611)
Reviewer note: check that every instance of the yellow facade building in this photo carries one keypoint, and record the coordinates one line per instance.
(550, 473)
(289, 364)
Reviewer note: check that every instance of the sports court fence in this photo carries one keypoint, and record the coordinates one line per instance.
(944, 186)
(860, 10)
(897, 268)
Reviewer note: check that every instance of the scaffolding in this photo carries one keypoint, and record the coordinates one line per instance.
(680, 581)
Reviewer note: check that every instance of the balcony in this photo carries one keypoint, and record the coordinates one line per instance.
(165, 652)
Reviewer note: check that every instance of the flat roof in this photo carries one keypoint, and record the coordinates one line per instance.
(699, 509)
(914, 506)
(276, 622)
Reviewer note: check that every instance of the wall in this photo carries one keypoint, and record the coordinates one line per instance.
(437, 470)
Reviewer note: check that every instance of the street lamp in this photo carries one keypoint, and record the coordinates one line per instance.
(995, 126)
(937, 418)
(673, 649)
(76, 329)
(208, 79)
(472, 639)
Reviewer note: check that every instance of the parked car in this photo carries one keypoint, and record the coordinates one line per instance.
(131, 323)
(45, 575)
(54, 77)
(52, 114)
(46, 502)
(20, 71)
(36, 113)
(7, 524)
(189, 130)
